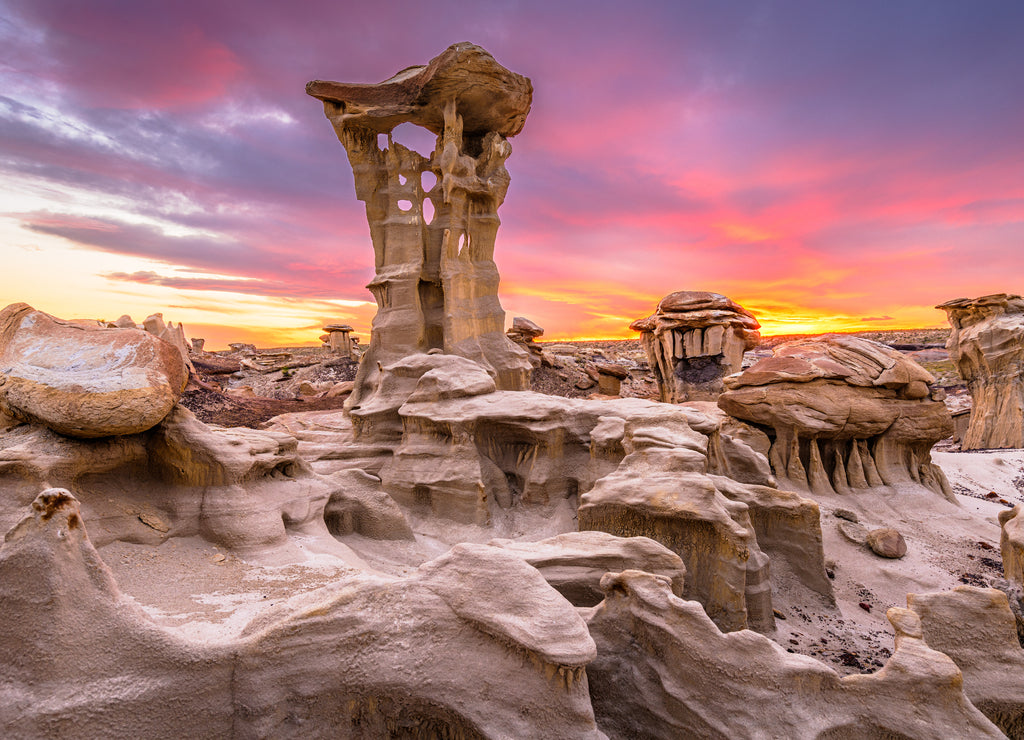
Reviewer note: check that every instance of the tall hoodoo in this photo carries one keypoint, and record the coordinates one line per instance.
(987, 346)
(436, 283)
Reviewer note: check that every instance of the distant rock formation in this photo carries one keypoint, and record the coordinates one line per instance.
(843, 414)
(693, 340)
(987, 346)
(436, 284)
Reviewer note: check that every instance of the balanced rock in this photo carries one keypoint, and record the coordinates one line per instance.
(987, 346)
(843, 414)
(436, 284)
(523, 330)
(693, 340)
(84, 380)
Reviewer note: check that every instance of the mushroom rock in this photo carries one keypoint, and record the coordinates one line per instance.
(843, 414)
(436, 284)
(693, 340)
(1011, 543)
(574, 562)
(664, 670)
(84, 380)
(450, 651)
(976, 628)
(987, 347)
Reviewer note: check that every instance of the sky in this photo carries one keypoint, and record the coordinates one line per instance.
(831, 166)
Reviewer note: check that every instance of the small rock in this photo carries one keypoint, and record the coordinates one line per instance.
(854, 532)
(778, 614)
(585, 383)
(154, 522)
(340, 389)
(887, 542)
(865, 606)
(850, 516)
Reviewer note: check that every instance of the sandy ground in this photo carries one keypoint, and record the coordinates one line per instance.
(201, 592)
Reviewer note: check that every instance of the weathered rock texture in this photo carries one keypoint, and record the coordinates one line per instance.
(242, 489)
(843, 414)
(436, 284)
(693, 340)
(575, 562)
(975, 627)
(1011, 542)
(83, 380)
(987, 346)
(450, 652)
(465, 452)
(663, 670)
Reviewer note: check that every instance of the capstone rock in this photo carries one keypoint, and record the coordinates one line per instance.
(843, 414)
(693, 340)
(436, 284)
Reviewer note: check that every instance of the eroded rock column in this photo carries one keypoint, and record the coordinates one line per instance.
(436, 283)
(987, 346)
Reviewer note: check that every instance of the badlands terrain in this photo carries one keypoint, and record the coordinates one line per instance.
(457, 530)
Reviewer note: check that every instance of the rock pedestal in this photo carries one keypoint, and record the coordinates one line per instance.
(436, 283)
(987, 346)
(339, 339)
(693, 340)
(843, 414)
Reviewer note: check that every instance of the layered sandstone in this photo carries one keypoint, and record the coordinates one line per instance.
(436, 283)
(693, 340)
(843, 414)
(987, 347)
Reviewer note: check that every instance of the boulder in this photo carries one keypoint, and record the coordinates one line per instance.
(84, 380)
(886, 542)
(987, 347)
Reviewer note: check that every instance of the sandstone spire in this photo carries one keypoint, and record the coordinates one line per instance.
(436, 283)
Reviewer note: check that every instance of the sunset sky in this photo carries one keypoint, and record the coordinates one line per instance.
(828, 165)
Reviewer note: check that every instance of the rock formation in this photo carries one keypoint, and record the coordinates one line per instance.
(466, 452)
(693, 340)
(1011, 541)
(975, 627)
(436, 284)
(843, 414)
(339, 340)
(987, 347)
(663, 670)
(450, 651)
(83, 380)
